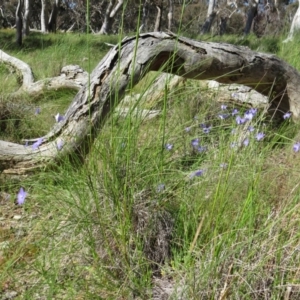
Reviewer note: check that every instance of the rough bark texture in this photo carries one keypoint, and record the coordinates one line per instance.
(124, 65)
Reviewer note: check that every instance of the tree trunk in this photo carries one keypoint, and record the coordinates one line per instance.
(125, 65)
(170, 14)
(157, 25)
(145, 15)
(251, 14)
(27, 14)
(211, 14)
(19, 23)
(44, 16)
(110, 14)
(295, 25)
(53, 17)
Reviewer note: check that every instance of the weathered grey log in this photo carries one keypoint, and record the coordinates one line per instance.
(126, 64)
(240, 94)
(71, 76)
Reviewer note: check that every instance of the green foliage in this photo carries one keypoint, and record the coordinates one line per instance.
(102, 228)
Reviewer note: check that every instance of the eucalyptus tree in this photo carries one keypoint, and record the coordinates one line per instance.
(27, 15)
(295, 25)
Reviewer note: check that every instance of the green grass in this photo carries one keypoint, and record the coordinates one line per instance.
(104, 228)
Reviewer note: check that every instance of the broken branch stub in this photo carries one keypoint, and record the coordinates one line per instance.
(124, 65)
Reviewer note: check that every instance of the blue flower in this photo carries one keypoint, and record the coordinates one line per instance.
(296, 147)
(206, 129)
(37, 143)
(201, 149)
(187, 129)
(235, 112)
(197, 173)
(250, 128)
(169, 147)
(160, 188)
(223, 116)
(246, 142)
(21, 196)
(59, 118)
(195, 142)
(260, 136)
(239, 120)
(223, 106)
(37, 111)
(253, 111)
(287, 115)
(248, 115)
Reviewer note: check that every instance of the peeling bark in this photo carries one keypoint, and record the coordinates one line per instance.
(126, 64)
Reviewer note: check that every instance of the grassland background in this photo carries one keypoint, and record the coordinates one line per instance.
(131, 218)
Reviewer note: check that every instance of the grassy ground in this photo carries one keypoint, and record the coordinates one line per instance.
(152, 205)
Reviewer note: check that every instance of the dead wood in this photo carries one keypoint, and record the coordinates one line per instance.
(125, 65)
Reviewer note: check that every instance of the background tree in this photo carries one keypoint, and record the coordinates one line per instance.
(19, 23)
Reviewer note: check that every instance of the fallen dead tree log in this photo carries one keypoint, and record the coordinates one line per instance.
(71, 76)
(126, 64)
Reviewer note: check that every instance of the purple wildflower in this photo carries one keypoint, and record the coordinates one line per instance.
(21, 196)
(59, 118)
(235, 112)
(296, 147)
(260, 136)
(169, 147)
(223, 106)
(246, 142)
(250, 128)
(59, 144)
(253, 111)
(206, 130)
(195, 142)
(160, 188)
(287, 115)
(201, 149)
(223, 116)
(248, 115)
(197, 173)
(37, 143)
(239, 120)
(37, 111)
